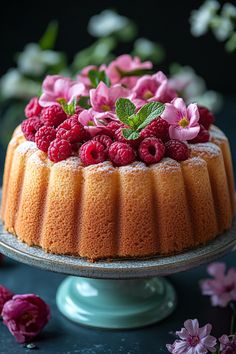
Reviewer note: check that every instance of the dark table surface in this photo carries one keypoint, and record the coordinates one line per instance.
(64, 337)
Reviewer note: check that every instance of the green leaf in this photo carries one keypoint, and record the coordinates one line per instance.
(96, 76)
(68, 108)
(149, 112)
(84, 102)
(130, 134)
(136, 72)
(49, 37)
(124, 109)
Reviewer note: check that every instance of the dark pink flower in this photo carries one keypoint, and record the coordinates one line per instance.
(227, 344)
(222, 287)
(25, 316)
(125, 63)
(193, 339)
(5, 295)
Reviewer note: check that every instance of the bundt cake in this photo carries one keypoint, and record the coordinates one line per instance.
(88, 182)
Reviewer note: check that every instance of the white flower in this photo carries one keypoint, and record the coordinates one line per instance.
(106, 23)
(34, 61)
(187, 82)
(228, 10)
(222, 28)
(193, 89)
(210, 99)
(14, 85)
(200, 19)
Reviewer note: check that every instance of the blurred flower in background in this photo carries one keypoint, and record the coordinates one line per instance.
(110, 30)
(221, 20)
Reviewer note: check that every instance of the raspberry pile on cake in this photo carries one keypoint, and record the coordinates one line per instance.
(102, 116)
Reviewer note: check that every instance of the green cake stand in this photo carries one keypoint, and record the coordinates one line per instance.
(121, 294)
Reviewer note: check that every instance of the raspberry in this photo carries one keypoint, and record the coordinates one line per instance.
(158, 128)
(71, 130)
(113, 126)
(105, 140)
(206, 117)
(33, 108)
(177, 150)
(53, 116)
(118, 136)
(59, 150)
(151, 150)
(92, 153)
(202, 137)
(121, 154)
(44, 136)
(30, 126)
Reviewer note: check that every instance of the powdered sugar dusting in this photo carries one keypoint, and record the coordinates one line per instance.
(26, 146)
(194, 161)
(167, 165)
(135, 166)
(217, 134)
(72, 162)
(105, 166)
(39, 158)
(205, 149)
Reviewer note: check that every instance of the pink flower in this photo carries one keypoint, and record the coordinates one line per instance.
(103, 98)
(227, 344)
(25, 316)
(193, 340)
(152, 88)
(56, 87)
(222, 288)
(5, 295)
(91, 124)
(183, 120)
(83, 75)
(125, 63)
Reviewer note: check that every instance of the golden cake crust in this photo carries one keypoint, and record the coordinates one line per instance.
(133, 211)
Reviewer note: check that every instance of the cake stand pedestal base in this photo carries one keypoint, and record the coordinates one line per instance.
(116, 304)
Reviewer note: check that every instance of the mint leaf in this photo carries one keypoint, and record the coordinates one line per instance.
(68, 108)
(149, 112)
(84, 102)
(130, 134)
(96, 76)
(124, 109)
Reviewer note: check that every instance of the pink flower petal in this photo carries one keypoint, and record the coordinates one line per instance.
(193, 114)
(217, 269)
(180, 106)
(184, 134)
(192, 327)
(205, 330)
(170, 114)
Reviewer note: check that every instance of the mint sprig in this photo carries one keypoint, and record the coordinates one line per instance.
(68, 108)
(96, 76)
(125, 111)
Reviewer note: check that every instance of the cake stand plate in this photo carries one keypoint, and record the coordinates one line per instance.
(121, 293)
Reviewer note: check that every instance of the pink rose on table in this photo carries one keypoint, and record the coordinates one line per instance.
(5, 295)
(222, 287)
(25, 316)
(193, 339)
(150, 88)
(125, 63)
(56, 88)
(184, 121)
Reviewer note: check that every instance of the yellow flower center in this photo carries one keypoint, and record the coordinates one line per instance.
(147, 94)
(90, 123)
(106, 107)
(184, 122)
